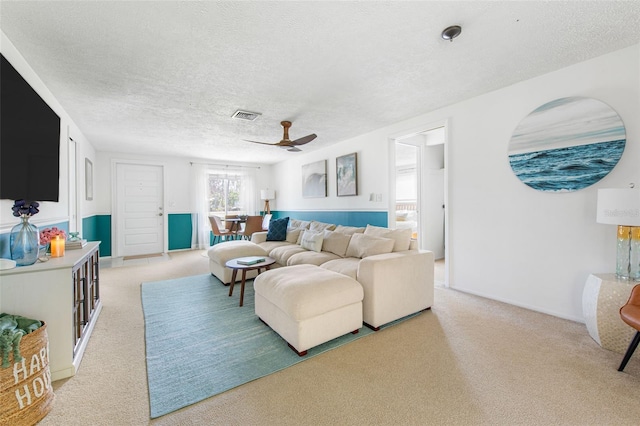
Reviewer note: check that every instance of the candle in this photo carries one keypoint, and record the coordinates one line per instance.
(57, 247)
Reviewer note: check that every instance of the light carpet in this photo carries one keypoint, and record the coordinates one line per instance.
(199, 342)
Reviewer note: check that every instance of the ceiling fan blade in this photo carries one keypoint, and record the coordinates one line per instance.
(261, 143)
(305, 139)
(293, 149)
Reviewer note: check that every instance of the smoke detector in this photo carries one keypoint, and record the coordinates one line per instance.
(245, 115)
(451, 32)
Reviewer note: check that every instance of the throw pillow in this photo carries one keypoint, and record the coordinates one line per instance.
(349, 230)
(312, 241)
(335, 242)
(293, 235)
(362, 245)
(277, 229)
(321, 226)
(299, 224)
(402, 237)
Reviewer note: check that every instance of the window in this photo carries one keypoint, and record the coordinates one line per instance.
(226, 195)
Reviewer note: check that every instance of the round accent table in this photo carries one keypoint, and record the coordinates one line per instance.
(603, 296)
(245, 264)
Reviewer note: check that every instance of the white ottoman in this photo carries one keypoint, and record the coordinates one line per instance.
(221, 253)
(308, 305)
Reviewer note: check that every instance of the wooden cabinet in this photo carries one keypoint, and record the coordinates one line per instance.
(86, 296)
(65, 293)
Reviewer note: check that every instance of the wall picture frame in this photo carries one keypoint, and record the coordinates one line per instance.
(88, 179)
(314, 179)
(347, 175)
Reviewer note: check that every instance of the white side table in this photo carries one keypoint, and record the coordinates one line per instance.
(603, 296)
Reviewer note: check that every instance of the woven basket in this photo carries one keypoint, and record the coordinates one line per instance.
(26, 394)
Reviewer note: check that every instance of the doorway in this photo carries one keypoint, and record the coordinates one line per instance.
(74, 224)
(418, 182)
(139, 209)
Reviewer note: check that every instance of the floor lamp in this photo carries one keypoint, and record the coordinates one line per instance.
(622, 207)
(266, 195)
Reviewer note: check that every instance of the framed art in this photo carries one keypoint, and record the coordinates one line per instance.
(314, 179)
(347, 175)
(88, 179)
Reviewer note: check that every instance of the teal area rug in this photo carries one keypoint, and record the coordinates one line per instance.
(200, 343)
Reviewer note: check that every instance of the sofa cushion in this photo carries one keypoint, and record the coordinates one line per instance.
(222, 252)
(402, 237)
(277, 229)
(269, 246)
(321, 226)
(362, 245)
(306, 291)
(349, 230)
(299, 224)
(335, 242)
(312, 240)
(307, 257)
(282, 253)
(347, 266)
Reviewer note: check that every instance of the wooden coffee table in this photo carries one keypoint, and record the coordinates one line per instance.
(233, 264)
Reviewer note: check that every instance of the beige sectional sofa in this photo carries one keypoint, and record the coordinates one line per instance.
(396, 277)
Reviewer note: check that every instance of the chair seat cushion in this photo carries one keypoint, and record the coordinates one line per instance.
(306, 291)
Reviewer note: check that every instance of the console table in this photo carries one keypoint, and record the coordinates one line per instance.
(63, 292)
(603, 296)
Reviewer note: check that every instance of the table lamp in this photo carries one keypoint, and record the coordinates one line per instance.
(266, 195)
(622, 207)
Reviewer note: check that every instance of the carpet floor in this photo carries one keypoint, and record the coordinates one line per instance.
(200, 343)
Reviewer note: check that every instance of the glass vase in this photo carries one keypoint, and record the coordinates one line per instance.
(634, 254)
(24, 242)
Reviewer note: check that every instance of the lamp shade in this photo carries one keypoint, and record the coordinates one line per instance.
(267, 194)
(619, 206)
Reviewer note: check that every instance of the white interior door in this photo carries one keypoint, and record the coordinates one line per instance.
(139, 209)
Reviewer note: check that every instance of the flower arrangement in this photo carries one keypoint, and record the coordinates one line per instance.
(47, 234)
(25, 208)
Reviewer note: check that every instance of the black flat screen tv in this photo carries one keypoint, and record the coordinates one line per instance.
(29, 141)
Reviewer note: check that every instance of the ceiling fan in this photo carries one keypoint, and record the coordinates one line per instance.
(287, 143)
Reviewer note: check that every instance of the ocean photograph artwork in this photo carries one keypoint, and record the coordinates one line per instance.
(567, 144)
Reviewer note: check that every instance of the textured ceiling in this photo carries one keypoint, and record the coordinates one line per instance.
(165, 77)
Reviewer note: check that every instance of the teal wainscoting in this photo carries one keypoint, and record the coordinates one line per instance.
(344, 218)
(98, 228)
(179, 231)
(5, 250)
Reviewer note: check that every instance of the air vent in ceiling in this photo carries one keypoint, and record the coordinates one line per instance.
(245, 115)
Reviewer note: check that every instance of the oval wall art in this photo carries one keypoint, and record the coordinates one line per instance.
(567, 144)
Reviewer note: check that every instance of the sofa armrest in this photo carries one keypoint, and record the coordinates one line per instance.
(259, 237)
(396, 285)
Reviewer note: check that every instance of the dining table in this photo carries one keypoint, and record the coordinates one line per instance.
(234, 224)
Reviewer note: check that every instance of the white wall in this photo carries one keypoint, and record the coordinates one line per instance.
(506, 241)
(372, 157)
(177, 185)
(50, 212)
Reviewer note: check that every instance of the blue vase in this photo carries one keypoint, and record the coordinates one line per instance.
(24, 242)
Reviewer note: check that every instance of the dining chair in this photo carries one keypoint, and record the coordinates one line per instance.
(265, 221)
(233, 223)
(253, 224)
(630, 314)
(218, 230)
